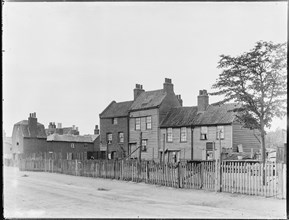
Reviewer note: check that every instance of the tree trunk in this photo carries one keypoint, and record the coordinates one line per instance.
(263, 149)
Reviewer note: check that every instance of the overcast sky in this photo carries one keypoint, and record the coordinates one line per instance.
(68, 61)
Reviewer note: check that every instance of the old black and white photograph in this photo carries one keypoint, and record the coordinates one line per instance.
(134, 109)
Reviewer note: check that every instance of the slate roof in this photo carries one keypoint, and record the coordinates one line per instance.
(148, 99)
(72, 138)
(116, 109)
(23, 125)
(187, 116)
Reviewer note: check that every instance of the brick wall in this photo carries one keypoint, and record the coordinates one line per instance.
(34, 145)
(106, 126)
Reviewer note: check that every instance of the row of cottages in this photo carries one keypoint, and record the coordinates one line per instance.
(123, 124)
(158, 121)
(30, 139)
(199, 132)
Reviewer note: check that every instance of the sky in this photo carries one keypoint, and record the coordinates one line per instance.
(67, 61)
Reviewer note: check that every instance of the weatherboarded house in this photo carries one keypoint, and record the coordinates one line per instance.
(193, 132)
(28, 137)
(114, 132)
(145, 114)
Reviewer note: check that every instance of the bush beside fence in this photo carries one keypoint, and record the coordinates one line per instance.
(232, 177)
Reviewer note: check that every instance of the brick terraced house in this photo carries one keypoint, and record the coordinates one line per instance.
(114, 132)
(193, 132)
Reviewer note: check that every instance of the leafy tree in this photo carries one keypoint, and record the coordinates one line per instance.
(257, 80)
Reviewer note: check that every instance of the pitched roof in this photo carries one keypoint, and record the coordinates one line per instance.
(116, 109)
(148, 99)
(187, 116)
(72, 138)
(23, 125)
(180, 116)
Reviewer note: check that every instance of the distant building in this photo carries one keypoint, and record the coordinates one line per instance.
(28, 137)
(70, 147)
(61, 130)
(7, 146)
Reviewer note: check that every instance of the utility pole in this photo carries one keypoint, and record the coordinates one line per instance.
(164, 139)
(140, 148)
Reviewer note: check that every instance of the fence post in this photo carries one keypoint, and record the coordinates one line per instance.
(217, 176)
(179, 174)
(148, 172)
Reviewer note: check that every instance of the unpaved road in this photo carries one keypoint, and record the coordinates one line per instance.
(49, 195)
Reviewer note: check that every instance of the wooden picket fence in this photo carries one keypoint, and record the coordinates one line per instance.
(228, 176)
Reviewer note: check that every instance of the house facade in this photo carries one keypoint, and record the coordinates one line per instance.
(145, 114)
(71, 147)
(114, 132)
(201, 132)
(28, 137)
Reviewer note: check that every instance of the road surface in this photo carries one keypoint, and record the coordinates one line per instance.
(51, 195)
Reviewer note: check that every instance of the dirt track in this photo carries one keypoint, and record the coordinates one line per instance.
(46, 195)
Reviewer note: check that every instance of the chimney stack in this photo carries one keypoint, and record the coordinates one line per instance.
(203, 100)
(32, 124)
(168, 86)
(59, 125)
(137, 91)
(180, 99)
(96, 130)
(73, 127)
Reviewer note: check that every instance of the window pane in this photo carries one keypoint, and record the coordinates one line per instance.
(170, 134)
(137, 124)
(148, 122)
(183, 134)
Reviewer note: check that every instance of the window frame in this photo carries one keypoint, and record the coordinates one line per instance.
(186, 134)
(169, 135)
(114, 121)
(136, 119)
(150, 123)
(119, 138)
(144, 147)
(204, 133)
(107, 138)
(222, 133)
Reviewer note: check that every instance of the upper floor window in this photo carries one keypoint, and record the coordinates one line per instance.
(220, 132)
(72, 145)
(137, 124)
(144, 145)
(204, 133)
(183, 134)
(109, 138)
(85, 145)
(120, 137)
(114, 121)
(149, 122)
(169, 135)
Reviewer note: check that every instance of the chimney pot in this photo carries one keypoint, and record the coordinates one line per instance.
(168, 86)
(137, 91)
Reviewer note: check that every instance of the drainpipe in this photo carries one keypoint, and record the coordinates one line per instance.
(192, 142)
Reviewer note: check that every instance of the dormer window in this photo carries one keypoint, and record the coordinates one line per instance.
(114, 121)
